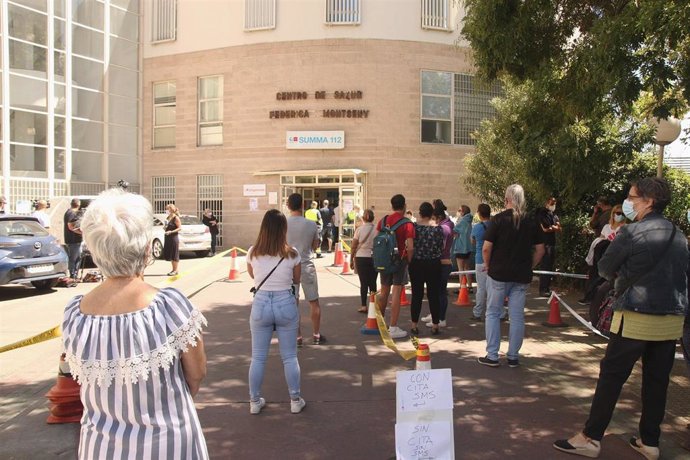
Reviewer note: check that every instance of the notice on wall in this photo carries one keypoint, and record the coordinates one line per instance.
(424, 390)
(272, 197)
(253, 204)
(320, 140)
(348, 205)
(424, 441)
(254, 190)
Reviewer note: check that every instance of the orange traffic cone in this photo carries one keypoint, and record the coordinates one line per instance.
(346, 265)
(555, 314)
(371, 327)
(423, 357)
(66, 404)
(338, 259)
(463, 295)
(404, 301)
(234, 273)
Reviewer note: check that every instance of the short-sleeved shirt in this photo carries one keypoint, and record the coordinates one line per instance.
(547, 218)
(280, 279)
(478, 231)
(402, 233)
(365, 236)
(71, 217)
(42, 217)
(428, 242)
(511, 254)
(326, 215)
(301, 234)
(446, 226)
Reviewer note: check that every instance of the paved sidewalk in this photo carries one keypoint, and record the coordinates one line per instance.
(349, 386)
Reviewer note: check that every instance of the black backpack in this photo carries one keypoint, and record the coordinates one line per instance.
(385, 254)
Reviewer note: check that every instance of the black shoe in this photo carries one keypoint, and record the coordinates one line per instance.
(414, 331)
(318, 256)
(318, 339)
(488, 362)
(476, 318)
(513, 363)
(436, 331)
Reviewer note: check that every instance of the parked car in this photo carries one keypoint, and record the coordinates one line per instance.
(28, 254)
(194, 235)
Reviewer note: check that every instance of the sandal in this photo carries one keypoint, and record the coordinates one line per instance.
(363, 310)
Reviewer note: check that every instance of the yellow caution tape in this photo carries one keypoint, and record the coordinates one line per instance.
(388, 341)
(346, 247)
(42, 337)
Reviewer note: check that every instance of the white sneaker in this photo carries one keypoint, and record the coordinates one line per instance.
(425, 319)
(649, 452)
(396, 332)
(441, 323)
(296, 406)
(579, 445)
(256, 406)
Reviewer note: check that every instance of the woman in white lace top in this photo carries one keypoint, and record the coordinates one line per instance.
(136, 351)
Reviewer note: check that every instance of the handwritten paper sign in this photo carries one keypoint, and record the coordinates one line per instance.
(417, 441)
(424, 390)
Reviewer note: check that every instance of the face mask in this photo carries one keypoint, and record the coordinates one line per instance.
(618, 218)
(629, 210)
(551, 208)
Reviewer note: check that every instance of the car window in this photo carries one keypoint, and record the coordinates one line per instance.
(157, 221)
(20, 228)
(190, 220)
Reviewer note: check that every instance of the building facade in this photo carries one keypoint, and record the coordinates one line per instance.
(69, 97)
(247, 101)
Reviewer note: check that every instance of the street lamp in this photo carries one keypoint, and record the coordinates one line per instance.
(667, 131)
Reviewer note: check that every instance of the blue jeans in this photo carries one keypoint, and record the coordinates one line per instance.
(73, 254)
(445, 274)
(274, 309)
(497, 292)
(480, 299)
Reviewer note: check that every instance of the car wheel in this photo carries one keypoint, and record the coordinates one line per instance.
(157, 249)
(44, 285)
(202, 253)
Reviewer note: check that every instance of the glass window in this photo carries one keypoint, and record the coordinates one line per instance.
(436, 90)
(130, 5)
(87, 104)
(210, 115)
(123, 110)
(437, 82)
(435, 14)
(436, 107)
(28, 127)
(123, 82)
(124, 24)
(87, 135)
(27, 25)
(259, 14)
(164, 114)
(59, 64)
(59, 34)
(164, 14)
(28, 93)
(436, 132)
(59, 8)
(35, 4)
(343, 11)
(27, 57)
(28, 161)
(88, 12)
(59, 131)
(122, 167)
(59, 163)
(122, 139)
(59, 101)
(87, 42)
(87, 73)
(87, 166)
(124, 53)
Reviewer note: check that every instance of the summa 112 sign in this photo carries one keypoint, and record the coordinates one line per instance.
(317, 140)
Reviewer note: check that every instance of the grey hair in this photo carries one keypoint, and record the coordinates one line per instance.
(117, 228)
(516, 195)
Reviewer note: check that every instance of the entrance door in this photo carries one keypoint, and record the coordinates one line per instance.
(349, 197)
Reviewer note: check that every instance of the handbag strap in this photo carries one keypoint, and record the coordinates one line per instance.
(637, 277)
(256, 289)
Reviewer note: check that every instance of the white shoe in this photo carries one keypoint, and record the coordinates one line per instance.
(396, 332)
(649, 452)
(256, 406)
(425, 319)
(579, 445)
(441, 323)
(296, 406)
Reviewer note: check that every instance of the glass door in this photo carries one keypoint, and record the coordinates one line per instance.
(350, 196)
(286, 192)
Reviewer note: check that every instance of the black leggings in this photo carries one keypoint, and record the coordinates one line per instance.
(425, 272)
(367, 277)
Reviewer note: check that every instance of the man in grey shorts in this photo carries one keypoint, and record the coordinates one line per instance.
(303, 234)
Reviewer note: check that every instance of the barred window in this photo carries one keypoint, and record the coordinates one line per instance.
(435, 14)
(164, 19)
(209, 193)
(472, 105)
(259, 14)
(163, 192)
(210, 110)
(343, 12)
(164, 111)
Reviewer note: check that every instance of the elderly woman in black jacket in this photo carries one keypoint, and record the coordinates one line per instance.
(650, 258)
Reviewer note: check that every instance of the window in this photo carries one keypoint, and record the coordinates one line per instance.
(209, 193)
(210, 110)
(259, 14)
(164, 20)
(164, 111)
(453, 106)
(435, 14)
(343, 12)
(163, 192)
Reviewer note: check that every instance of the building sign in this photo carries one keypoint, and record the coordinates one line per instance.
(330, 112)
(254, 190)
(320, 140)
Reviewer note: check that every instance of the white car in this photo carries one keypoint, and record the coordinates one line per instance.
(194, 236)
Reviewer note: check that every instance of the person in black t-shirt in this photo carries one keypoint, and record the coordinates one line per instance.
(211, 222)
(509, 259)
(72, 235)
(327, 231)
(550, 225)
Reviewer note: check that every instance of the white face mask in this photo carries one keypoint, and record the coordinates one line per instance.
(629, 209)
(551, 208)
(618, 218)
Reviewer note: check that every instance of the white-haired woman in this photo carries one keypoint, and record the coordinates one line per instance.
(136, 351)
(509, 260)
(171, 242)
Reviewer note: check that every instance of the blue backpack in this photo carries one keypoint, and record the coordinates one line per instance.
(385, 254)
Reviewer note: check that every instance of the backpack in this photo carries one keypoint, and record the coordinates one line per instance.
(385, 254)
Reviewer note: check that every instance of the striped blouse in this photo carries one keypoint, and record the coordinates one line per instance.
(136, 400)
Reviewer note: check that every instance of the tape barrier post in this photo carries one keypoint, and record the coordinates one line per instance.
(370, 327)
(584, 322)
(66, 406)
(234, 273)
(463, 295)
(346, 265)
(423, 358)
(554, 313)
(338, 259)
